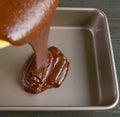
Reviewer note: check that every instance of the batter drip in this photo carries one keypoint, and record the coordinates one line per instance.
(28, 21)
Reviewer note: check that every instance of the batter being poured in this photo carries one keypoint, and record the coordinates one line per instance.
(28, 21)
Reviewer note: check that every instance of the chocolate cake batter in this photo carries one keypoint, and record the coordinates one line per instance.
(28, 21)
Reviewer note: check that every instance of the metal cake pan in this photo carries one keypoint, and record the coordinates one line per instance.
(83, 36)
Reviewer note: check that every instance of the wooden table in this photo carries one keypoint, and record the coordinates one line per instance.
(112, 10)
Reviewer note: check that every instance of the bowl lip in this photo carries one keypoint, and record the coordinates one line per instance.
(74, 108)
(4, 44)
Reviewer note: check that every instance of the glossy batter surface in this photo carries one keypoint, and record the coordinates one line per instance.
(50, 75)
(20, 20)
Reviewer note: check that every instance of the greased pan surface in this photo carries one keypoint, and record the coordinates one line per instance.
(83, 36)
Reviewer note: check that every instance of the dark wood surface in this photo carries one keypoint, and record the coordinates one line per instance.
(112, 10)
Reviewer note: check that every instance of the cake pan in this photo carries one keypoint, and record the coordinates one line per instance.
(83, 36)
